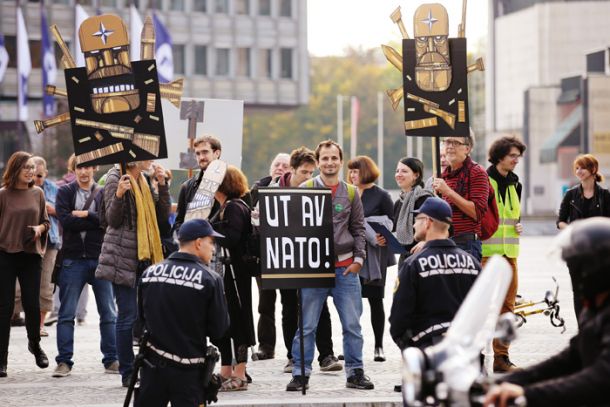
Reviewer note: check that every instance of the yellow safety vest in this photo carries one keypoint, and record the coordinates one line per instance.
(505, 241)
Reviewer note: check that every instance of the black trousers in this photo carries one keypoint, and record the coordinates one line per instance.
(26, 268)
(165, 383)
(290, 316)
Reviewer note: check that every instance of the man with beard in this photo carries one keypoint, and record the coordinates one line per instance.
(348, 234)
(207, 149)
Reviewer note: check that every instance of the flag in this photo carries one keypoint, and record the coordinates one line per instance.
(135, 33)
(81, 15)
(24, 66)
(163, 51)
(3, 58)
(355, 115)
(49, 67)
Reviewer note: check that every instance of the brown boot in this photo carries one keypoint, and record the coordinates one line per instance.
(502, 364)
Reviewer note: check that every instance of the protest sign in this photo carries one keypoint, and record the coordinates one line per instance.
(296, 234)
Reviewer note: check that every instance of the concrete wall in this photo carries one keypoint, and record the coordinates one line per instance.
(538, 46)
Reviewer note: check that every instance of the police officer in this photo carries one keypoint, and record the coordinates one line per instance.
(580, 374)
(431, 284)
(181, 302)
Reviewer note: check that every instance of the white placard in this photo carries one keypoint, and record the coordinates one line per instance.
(222, 119)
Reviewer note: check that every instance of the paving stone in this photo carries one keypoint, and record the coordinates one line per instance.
(88, 386)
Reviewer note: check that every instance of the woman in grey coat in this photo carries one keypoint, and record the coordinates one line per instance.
(131, 243)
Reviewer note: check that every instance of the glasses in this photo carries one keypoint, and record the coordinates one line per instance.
(453, 143)
(514, 156)
(421, 217)
(28, 167)
(39, 175)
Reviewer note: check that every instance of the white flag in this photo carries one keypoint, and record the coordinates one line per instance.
(135, 33)
(81, 15)
(24, 66)
(3, 58)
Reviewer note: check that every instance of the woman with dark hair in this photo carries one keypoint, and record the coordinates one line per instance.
(233, 221)
(377, 205)
(24, 224)
(585, 200)
(409, 178)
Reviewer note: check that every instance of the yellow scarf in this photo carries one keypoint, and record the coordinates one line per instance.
(149, 238)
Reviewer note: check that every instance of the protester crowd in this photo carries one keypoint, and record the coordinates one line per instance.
(65, 237)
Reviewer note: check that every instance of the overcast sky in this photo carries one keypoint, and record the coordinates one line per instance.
(334, 25)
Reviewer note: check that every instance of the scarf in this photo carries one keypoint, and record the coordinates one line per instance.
(404, 224)
(149, 238)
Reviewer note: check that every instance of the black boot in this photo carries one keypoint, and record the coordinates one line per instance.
(3, 363)
(41, 358)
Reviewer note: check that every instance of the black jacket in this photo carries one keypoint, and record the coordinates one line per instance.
(73, 246)
(430, 289)
(579, 375)
(571, 208)
(181, 303)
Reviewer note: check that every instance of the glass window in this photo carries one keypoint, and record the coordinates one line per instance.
(243, 62)
(222, 6)
(242, 7)
(200, 5)
(286, 8)
(264, 63)
(286, 63)
(176, 5)
(222, 62)
(264, 7)
(201, 60)
(178, 54)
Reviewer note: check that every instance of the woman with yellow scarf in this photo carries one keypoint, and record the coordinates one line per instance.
(132, 243)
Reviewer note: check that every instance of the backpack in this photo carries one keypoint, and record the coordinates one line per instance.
(491, 219)
(251, 250)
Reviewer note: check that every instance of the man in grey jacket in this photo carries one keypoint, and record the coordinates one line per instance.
(348, 231)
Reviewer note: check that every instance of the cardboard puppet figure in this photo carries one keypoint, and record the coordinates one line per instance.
(434, 70)
(115, 107)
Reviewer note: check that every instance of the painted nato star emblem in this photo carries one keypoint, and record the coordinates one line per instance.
(430, 20)
(103, 33)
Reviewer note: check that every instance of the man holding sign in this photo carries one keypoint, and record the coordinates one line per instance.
(349, 248)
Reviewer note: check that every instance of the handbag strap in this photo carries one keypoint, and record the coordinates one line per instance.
(92, 196)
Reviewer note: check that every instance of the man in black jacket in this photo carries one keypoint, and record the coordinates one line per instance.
(182, 303)
(207, 149)
(580, 374)
(77, 207)
(433, 283)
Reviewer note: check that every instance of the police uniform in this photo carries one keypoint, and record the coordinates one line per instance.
(430, 288)
(182, 303)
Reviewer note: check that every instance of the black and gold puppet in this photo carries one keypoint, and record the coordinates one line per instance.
(114, 103)
(434, 72)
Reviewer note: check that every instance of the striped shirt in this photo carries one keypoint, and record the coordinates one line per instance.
(472, 183)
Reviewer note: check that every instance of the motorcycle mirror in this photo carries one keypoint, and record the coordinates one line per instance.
(506, 328)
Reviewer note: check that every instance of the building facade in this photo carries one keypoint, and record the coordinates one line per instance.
(533, 45)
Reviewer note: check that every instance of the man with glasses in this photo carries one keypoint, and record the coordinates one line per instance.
(504, 156)
(432, 283)
(465, 186)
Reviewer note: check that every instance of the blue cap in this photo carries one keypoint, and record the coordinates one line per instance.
(437, 209)
(196, 228)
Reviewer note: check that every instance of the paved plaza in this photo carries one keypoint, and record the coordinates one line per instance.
(88, 386)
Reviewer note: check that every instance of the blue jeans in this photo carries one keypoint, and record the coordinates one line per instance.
(348, 301)
(75, 273)
(473, 247)
(128, 311)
